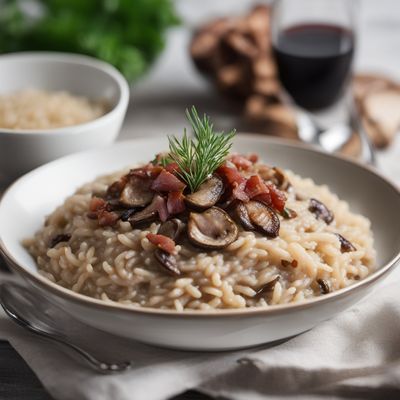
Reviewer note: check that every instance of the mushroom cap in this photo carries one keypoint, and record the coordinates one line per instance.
(137, 192)
(255, 215)
(321, 211)
(167, 261)
(171, 228)
(207, 195)
(212, 229)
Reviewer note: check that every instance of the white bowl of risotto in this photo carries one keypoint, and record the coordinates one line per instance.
(54, 104)
(224, 297)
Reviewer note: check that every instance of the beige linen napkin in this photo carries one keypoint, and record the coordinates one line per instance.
(355, 355)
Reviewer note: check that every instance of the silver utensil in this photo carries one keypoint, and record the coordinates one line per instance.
(332, 139)
(367, 148)
(33, 313)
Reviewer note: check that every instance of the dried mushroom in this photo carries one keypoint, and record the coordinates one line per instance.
(268, 287)
(167, 261)
(212, 229)
(242, 216)
(280, 179)
(324, 286)
(345, 245)
(207, 194)
(148, 214)
(62, 237)
(115, 189)
(255, 215)
(127, 214)
(137, 192)
(171, 228)
(288, 213)
(321, 211)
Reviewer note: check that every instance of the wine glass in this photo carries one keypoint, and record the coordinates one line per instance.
(314, 42)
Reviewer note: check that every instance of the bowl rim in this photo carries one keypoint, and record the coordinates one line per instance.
(72, 59)
(87, 301)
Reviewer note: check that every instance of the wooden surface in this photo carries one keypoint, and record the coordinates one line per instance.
(18, 382)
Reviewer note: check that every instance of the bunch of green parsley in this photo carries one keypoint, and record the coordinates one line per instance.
(126, 33)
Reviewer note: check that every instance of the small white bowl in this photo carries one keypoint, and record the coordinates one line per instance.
(27, 202)
(23, 150)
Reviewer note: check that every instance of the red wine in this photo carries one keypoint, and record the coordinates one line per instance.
(314, 63)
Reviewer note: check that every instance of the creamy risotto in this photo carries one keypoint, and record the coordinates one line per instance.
(249, 236)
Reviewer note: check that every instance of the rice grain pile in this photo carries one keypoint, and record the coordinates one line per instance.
(116, 263)
(39, 109)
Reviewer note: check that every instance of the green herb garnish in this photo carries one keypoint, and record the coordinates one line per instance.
(199, 157)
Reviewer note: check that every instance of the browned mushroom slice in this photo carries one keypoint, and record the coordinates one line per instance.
(62, 237)
(114, 205)
(242, 216)
(207, 195)
(280, 179)
(262, 218)
(212, 229)
(171, 228)
(324, 286)
(288, 213)
(268, 287)
(148, 214)
(167, 261)
(321, 211)
(127, 214)
(345, 245)
(115, 189)
(136, 192)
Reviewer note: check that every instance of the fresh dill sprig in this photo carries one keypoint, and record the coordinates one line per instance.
(199, 157)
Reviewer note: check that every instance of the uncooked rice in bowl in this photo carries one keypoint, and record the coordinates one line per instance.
(40, 109)
(117, 263)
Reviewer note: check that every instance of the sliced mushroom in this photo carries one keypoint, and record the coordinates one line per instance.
(268, 287)
(115, 189)
(228, 202)
(242, 216)
(280, 179)
(212, 229)
(345, 245)
(321, 211)
(266, 173)
(114, 205)
(62, 237)
(258, 216)
(167, 261)
(148, 214)
(137, 192)
(207, 195)
(324, 286)
(171, 228)
(127, 214)
(288, 213)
